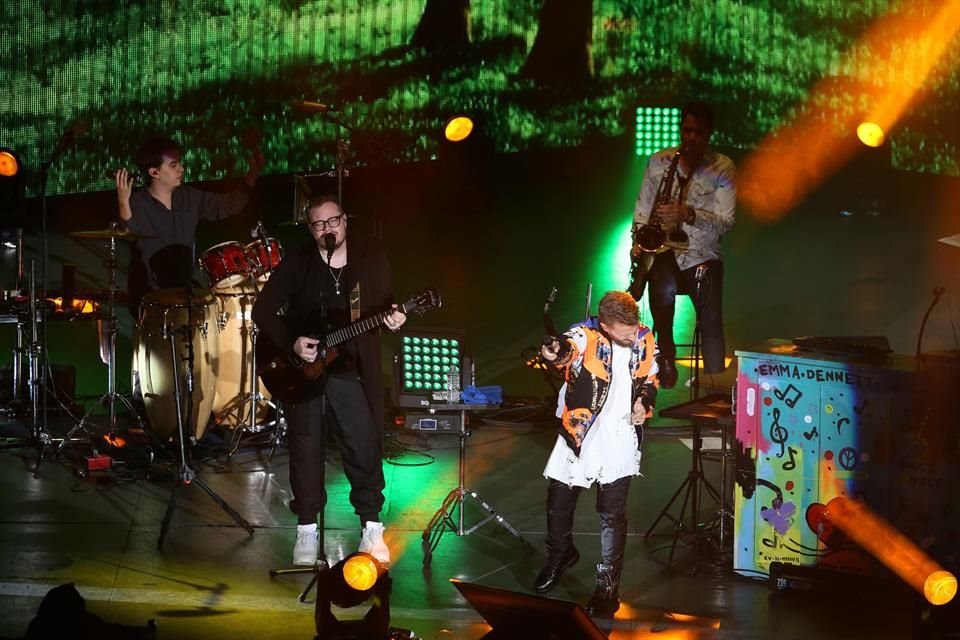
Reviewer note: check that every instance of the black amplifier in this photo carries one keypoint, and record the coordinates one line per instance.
(433, 422)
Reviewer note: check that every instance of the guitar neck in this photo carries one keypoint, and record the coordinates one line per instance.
(353, 330)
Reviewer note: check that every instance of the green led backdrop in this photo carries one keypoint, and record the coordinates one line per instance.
(539, 74)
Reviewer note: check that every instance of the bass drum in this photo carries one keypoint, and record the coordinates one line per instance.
(163, 313)
(234, 365)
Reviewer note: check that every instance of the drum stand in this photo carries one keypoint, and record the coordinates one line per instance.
(254, 398)
(39, 437)
(187, 475)
(110, 398)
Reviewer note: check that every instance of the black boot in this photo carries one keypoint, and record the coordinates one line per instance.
(551, 572)
(668, 373)
(606, 597)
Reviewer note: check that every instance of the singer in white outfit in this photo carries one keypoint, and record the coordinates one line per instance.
(610, 371)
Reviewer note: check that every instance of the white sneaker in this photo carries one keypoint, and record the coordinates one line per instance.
(307, 547)
(371, 541)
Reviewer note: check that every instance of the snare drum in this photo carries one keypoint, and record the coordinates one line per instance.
(234, 366)
(260, 262)
(164, 313)
(226, 264)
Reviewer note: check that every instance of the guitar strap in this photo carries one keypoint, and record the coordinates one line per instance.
(355, 303)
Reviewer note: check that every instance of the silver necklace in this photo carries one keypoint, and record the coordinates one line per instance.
(336, 278)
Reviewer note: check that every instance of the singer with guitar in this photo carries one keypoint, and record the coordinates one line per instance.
(325, 285)
(688, 193)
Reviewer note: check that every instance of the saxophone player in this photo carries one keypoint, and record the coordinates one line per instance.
(699, 209)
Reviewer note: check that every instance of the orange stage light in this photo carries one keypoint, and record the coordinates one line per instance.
(896, 58)
(870, 134)
(9, 166)
(893, 549)
(458, 128)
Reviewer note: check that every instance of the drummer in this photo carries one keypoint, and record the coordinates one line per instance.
(166, 214)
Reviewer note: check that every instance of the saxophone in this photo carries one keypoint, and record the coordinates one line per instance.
(650, 239)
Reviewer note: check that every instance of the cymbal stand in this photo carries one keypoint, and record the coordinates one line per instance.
(254, 397)
(186, 474)
(110, 398)
(39, 437)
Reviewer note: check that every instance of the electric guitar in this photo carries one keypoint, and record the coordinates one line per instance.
(290, 379)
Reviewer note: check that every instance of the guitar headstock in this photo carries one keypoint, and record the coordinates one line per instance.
(426, 300)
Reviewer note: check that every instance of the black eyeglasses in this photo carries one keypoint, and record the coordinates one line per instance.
(331, 223)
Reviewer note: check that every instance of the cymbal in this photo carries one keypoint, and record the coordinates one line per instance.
(106, 234)
(94, 295)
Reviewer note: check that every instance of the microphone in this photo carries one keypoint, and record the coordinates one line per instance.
(136, 175)
(330, 242)
(257, 231)
(313, 107)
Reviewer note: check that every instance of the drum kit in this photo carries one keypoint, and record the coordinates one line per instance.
(223, 337)
(217, 324)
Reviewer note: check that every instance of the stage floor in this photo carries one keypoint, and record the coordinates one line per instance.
(210, 579)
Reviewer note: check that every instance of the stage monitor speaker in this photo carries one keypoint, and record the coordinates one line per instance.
(523, 615)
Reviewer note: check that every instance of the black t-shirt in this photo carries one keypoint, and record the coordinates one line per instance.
(338, 316)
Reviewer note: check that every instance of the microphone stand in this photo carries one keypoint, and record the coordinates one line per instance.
(39, 433)
(699, 275)
(937, 292)
(186, 474)
(322, 563)
(342, 147)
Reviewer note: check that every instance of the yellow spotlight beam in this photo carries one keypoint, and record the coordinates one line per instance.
(892, 63)
(893, 549)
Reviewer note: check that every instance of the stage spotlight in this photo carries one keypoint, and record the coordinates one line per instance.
(458, 128)
(356, 580)
(898, 553)
(12, 187)
(429, 362)
(9, 163)
(870, 134)
(657, 128)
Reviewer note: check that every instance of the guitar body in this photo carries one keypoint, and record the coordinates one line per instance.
(287, 381)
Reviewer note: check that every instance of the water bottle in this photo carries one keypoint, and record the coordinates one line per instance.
(453, 386)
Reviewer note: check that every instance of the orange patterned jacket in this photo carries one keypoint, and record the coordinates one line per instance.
(587, 372)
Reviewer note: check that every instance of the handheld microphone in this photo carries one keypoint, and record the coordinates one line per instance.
(330, 242)
(136, 175)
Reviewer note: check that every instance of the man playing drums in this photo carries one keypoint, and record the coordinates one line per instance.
(166, 214)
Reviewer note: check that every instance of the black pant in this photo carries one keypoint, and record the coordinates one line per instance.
(666, 281)
(612, 509)
(361, 449)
